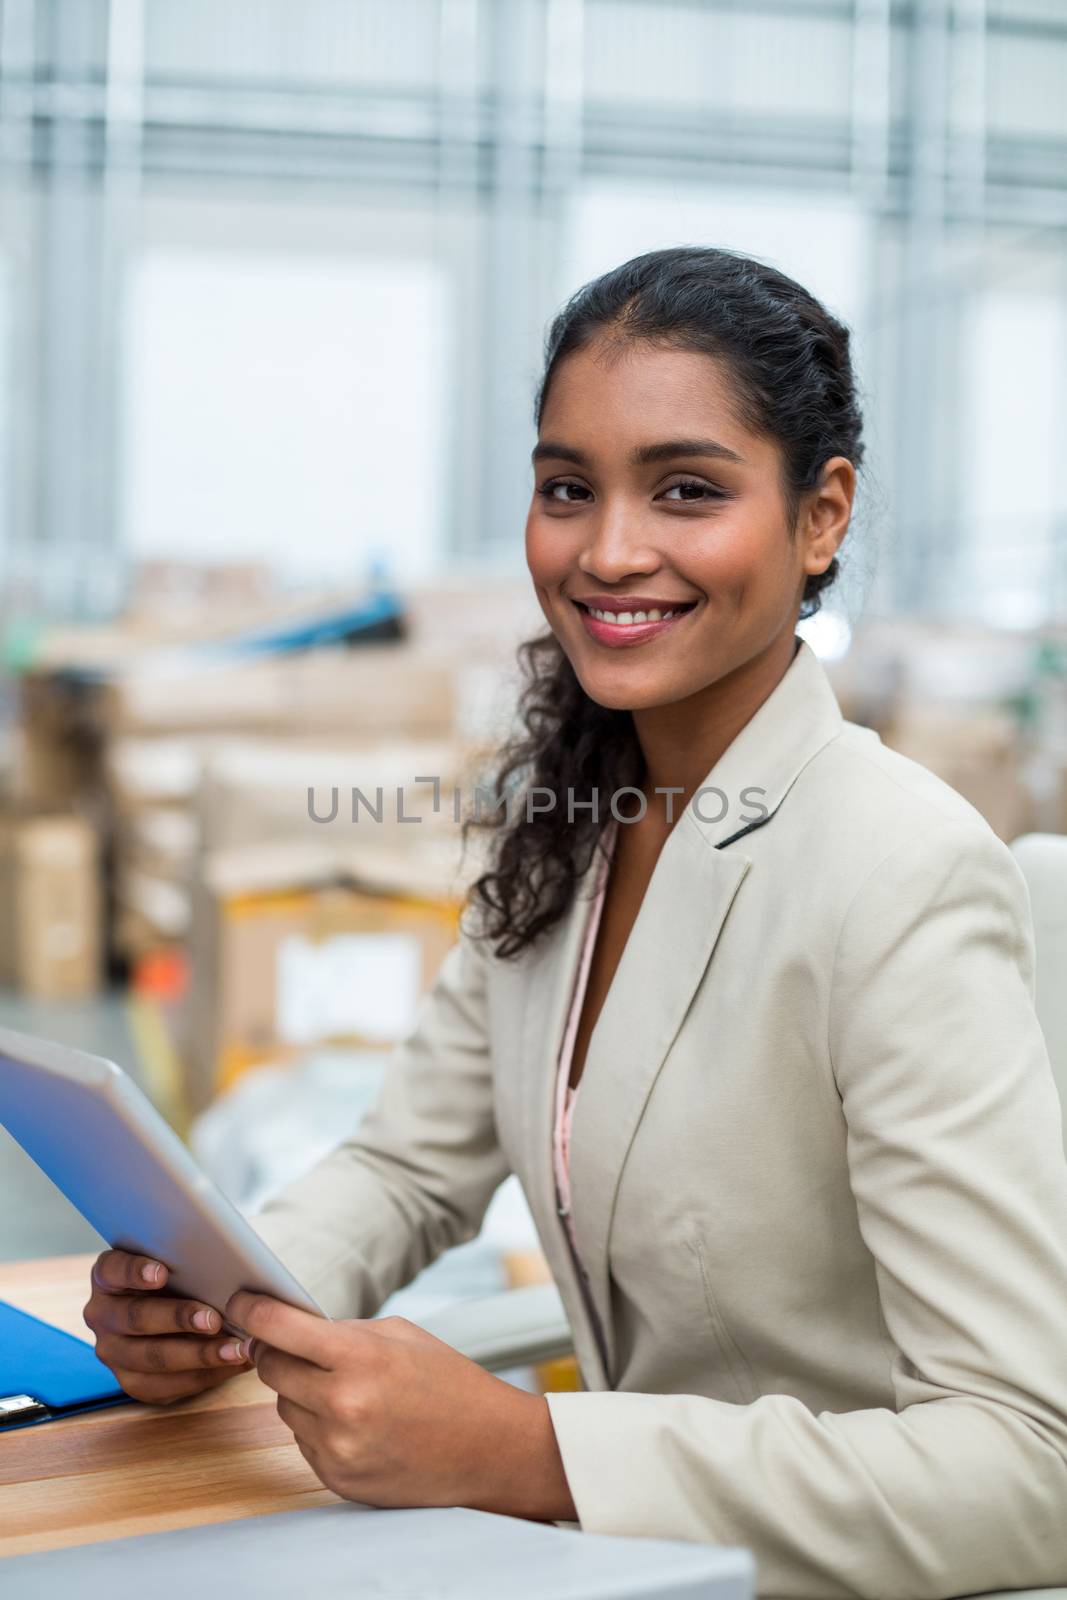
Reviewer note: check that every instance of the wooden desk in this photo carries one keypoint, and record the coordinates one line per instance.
(137, 1469)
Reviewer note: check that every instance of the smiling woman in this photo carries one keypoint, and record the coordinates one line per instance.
(699, 438)
(773, 1083)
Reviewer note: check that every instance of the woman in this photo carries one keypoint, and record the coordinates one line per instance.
(811, 1230)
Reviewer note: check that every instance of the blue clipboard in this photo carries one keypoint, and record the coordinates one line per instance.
(46, 1373)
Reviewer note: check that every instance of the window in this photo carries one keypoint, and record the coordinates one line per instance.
(284, 407)
(1013, 491)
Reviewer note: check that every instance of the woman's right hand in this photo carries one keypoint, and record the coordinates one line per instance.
(160, 1348)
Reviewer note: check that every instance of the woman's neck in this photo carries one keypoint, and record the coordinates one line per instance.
(681, 742)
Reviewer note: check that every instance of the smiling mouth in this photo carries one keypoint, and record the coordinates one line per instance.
(634, 619)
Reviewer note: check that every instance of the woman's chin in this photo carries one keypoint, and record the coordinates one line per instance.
(622, 691)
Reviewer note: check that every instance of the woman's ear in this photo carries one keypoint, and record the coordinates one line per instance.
(827, 509)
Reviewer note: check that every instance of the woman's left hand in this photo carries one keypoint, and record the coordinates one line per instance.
(385, 1413)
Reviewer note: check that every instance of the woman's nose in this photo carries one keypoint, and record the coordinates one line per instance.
(617, 546)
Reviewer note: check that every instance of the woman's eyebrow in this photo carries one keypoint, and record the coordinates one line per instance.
(643, 456)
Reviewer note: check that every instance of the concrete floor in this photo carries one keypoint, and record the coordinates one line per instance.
(35, 1219)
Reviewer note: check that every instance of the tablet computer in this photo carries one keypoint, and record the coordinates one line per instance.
(102, 1142)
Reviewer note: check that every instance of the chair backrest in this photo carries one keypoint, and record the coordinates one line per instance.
(1043, 859)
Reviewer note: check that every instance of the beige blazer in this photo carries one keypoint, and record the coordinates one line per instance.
(817, 1170)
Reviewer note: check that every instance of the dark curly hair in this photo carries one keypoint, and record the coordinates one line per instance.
(789, 362)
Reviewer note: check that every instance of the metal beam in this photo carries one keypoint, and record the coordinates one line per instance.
(512, 328)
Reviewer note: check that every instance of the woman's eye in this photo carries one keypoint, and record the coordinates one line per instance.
(701, 491)
(688, 491)
(549, 490)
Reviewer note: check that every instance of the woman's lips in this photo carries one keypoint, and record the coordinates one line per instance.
(619, 636)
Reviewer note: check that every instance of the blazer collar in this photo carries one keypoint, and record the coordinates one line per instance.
(798, 717)
(699, 871)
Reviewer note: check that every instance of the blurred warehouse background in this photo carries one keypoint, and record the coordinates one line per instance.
(274, 280)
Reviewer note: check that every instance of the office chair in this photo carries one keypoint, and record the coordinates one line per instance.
(517, 1328)
(1043, 859)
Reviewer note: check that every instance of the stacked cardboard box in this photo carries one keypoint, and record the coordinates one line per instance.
(54, 761)
(301, 944)
(51, 929)
(177, 796)
(136, 747)
(372, 689)
(254, 791)
(958, 699)
(980, 754)
(283, 819)
(327, 889)
(125, 721)
(151, 785)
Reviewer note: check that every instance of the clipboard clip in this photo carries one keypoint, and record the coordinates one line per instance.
(16, 1408)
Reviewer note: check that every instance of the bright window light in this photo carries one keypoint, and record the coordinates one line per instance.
(287, 409)
(828, 633)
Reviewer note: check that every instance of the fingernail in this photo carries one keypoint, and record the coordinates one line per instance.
(234, 1351)
(206, 1321)
(152, 1272)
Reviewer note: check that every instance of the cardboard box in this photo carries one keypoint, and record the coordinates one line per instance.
(978, 753)
(55, 755)
(486, 616)
(257, 792)
(292, 949)
(369, 690)
(175, 798)
(162, 903)
(162, 840)
(198, 610)
(142, 770)
(162, 590)
(50, 906)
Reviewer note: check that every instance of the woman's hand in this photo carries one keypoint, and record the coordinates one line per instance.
(386, 1414)
(159, 1348)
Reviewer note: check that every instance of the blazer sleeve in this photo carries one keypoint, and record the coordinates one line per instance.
(417, 1175)
(957, 1167)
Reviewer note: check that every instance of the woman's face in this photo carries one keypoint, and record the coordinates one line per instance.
(650, 495)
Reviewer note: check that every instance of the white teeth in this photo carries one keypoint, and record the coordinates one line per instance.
(626, 619)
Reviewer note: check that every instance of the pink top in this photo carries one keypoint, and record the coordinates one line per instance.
(565, 1095)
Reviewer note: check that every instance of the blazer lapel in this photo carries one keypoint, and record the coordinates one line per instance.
(670, 944)
(689, 895)
(547, 994)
